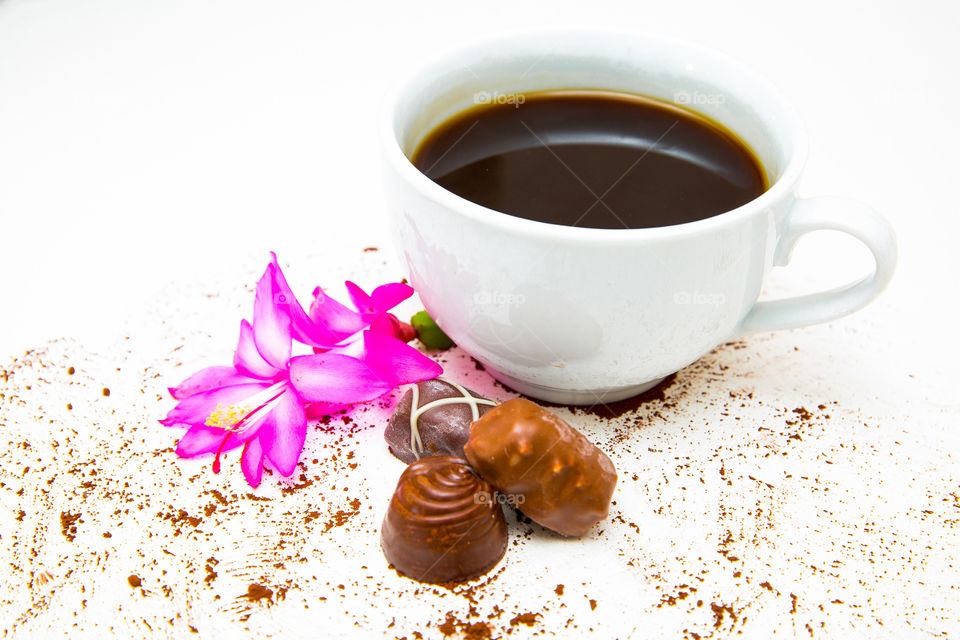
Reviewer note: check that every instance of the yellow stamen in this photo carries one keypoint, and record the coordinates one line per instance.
(226, 418)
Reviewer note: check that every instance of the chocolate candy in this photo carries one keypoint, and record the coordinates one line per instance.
(444, 524)
(565, 481)
(433, 418)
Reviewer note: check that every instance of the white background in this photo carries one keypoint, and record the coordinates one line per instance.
(149, 143)
(152, 145)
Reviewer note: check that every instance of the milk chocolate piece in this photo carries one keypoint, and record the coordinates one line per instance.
(444, 524)
(549, 469)
(433, 418)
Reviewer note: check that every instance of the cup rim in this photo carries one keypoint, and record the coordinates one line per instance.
(782, 186)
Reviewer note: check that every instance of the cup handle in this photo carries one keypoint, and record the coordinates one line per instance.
(837, 214)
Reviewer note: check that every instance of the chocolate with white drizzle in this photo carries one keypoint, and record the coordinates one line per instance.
(432, 419)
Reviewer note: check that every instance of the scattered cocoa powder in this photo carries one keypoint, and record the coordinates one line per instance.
(470, 630)
(68, 524)
(341, 517)
(528, 619)
(257, 592)
(720, 611)
(211, 574)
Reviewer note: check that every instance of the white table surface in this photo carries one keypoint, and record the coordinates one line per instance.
(151, 147)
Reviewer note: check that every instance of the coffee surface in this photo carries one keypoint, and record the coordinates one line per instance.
(594, 159)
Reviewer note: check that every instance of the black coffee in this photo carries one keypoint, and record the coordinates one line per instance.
(591, 159)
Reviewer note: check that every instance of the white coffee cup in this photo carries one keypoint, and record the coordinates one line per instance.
(585, 316)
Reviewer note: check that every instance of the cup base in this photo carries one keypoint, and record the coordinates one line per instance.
(572, 397)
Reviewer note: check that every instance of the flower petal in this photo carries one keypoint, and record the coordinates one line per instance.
(392, 326)
(251, 462)
(271, 321)
(201, 439)
(247, 358)
(302, 327)
(396, 360)
(386, 323)
(334, 377)
(320, 409)
(361, 301)
(387, 296)
(384, 298)
(334, 321)
(283, 433)
(194, 410)
(208, 379)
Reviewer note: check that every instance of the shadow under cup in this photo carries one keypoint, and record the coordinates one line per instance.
(574, 315)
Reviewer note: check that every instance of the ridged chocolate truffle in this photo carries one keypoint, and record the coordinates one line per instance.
(433, 419)
(558, 477)
(444, 524)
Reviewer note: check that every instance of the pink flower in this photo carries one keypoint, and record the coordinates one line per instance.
(259, 401)
(372, 311)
